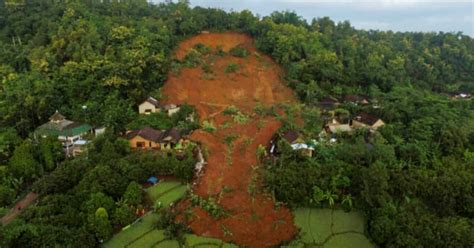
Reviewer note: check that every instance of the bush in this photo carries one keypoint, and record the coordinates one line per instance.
(208, 126)
(231, 110)
(202, 49)
(192, 58)
(133, 195)
(231, 68)
(239, 51)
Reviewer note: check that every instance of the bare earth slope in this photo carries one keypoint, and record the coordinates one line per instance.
(231, 175)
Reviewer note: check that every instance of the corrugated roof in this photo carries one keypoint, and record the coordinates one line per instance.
(57, 117)
(172, 135)
(366, 118)
(290, 136)
(153, 101)
(60, 126)
(340, 128)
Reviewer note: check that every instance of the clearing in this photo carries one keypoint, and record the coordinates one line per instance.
(231, 176)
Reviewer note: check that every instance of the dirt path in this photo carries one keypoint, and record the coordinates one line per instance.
(19, 206)
(232, 173)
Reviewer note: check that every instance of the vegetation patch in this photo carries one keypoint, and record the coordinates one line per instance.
(208, 126)
(239, 51)
(232, 67)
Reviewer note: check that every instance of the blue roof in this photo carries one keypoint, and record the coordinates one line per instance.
(152, 180)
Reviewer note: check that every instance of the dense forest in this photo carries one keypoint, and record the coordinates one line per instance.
(414, 178)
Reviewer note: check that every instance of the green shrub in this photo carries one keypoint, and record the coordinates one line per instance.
(241, 118)
(220, 51)
(192, 58)
(206, 67)
(231, 110)
(232, 67)
(208, 126)
(202, 49)
(229, 139)
(239, 51)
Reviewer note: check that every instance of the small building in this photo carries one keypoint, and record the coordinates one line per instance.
(79, 147)
(294, 139)
(145, 138)
(99, 130)
(334, 127)
(68, 132)
(461, 95)
(364, 120)
(171, 109)
(150, 105)
(171, 139)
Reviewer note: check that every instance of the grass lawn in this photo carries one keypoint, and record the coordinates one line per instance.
(348, 240)
(315, 224)
(193, 241)
(167, 244)
(351, 221)
(134, 232)
(148, 240)
(331, 228)
(167, 192)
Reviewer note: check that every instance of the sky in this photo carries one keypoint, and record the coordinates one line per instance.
(396, 15)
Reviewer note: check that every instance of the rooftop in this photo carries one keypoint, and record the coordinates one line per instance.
(153, 101)
(366, 118)
(147, 133)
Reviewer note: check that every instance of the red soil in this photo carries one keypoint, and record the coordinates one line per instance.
(251, 219)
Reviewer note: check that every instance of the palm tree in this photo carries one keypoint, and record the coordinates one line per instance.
(347, 201)
(330, 197)
(318, 195)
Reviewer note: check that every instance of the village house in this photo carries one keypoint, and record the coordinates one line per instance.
(171, 139)
(356, 99)
(461, 95)
(296, 142)
(364, 120)
(171, 109)
(149, 138)
(334, 126)
(329, 103)
(145, 138)
(69, 133)
(150, 105)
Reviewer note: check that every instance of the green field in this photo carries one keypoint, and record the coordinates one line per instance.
(134, 233)
(330, 228)
(167, 192)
